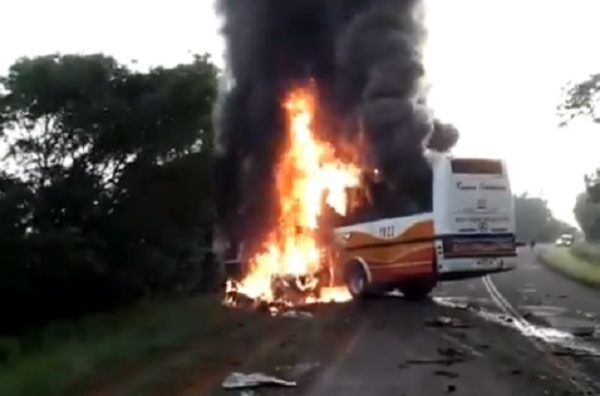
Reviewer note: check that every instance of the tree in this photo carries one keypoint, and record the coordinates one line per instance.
(587, 213)
(534, 220)
(111, 199)
(581, 101)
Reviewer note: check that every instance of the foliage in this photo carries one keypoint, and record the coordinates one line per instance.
(587, 213)
(534, 220)
(580, 100)
(110, 197)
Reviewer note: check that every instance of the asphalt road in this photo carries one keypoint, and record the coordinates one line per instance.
(526, 332)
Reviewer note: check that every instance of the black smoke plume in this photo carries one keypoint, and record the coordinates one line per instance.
(366, 59)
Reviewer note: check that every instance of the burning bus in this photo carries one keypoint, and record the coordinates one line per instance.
(314, 202)
(339, 232)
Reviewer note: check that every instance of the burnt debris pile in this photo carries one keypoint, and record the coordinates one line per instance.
(365, 57)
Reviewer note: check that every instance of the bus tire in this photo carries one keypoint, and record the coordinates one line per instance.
(356, 280)
(417, 291)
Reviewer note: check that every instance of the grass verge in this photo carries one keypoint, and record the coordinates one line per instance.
(563, 261)
(136, 348)
(586, 251)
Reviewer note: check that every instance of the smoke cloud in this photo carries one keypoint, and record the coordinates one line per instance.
(366, 59)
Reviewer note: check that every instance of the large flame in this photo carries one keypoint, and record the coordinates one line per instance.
(309, 176)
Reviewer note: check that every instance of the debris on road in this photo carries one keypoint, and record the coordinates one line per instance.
(446, 373)
(295, 314)
(583, 332)
(448, 357)
(451, 388)
(444, 361)
(450, 352)
(575, 353)
(445, 321)
(254, 380)
(299, 370)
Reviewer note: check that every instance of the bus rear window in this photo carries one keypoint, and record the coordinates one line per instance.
(476, 167)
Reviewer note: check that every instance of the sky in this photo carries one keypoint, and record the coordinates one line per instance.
(496, 68)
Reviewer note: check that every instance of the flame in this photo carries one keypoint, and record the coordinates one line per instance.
(309, 176)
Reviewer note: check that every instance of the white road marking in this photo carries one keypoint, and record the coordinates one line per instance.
(527, 328)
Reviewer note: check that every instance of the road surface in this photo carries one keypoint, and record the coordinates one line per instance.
(526, 332)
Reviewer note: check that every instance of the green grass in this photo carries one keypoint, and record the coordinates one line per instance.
(580, 262)
(77, 355)
(589, 252)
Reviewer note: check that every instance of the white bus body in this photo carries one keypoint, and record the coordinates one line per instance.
(470, 232)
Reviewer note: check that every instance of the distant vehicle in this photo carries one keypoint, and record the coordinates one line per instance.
(469, 232)
(565, 240)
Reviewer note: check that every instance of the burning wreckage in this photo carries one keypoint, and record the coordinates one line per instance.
(325, 94)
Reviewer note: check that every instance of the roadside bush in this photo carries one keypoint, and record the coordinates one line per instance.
(109, 198)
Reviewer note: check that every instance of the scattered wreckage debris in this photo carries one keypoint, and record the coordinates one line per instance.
(275, 308)
(446, 373)
(448, 356)
(445, 321)
(576, 354)
(295, 314)
(584, 332)
(241, 381)
(298, 370)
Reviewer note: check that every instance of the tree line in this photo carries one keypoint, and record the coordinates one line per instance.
(535, 221)
(106, 184)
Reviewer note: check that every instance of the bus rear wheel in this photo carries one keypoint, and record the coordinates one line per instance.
(416, 291)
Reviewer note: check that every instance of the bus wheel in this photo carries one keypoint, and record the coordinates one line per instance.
(416, 291)
(356, 280)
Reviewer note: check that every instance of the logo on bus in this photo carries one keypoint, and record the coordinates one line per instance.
(483, 226)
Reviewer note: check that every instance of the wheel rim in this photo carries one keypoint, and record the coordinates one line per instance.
(357, 283)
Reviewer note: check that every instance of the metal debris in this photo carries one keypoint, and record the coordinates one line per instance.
(576, 354)
(300, 369)
(297, 314)
(446, 373)
(237, 380)
(451, 352)
(429, 360)
(448, 357)
(445, 321)
(584, 332)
